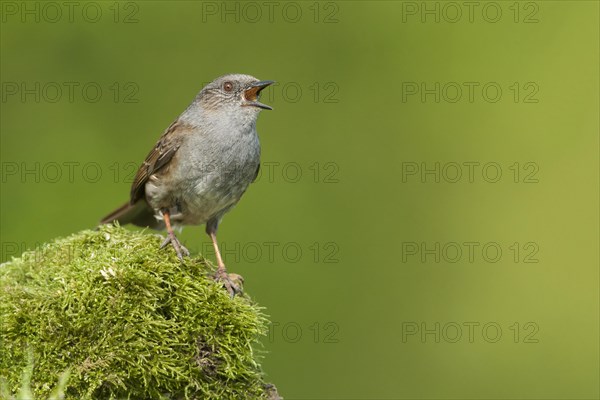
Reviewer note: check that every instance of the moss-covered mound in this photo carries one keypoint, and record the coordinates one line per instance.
(128, 320)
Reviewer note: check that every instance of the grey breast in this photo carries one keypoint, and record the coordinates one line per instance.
(218, 171)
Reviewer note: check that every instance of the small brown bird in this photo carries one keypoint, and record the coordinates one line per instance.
(201, 166)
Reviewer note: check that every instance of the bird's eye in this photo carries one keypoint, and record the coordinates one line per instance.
(228, 86)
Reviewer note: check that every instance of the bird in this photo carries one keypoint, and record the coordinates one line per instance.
(200, 167)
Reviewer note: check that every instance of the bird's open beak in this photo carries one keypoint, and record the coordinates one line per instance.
(251, 94)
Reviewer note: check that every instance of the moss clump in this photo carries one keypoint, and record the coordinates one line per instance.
(128, 320)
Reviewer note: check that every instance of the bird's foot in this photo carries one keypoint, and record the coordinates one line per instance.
(179, 248)
(231, 282)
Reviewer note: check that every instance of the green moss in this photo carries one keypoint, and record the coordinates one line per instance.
(128, 320)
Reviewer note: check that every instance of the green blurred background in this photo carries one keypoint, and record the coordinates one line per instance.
(337, 239)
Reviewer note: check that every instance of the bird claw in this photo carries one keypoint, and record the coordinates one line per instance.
(179, 248)
(231, 282)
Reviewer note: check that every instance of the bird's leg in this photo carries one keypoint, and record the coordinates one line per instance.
(232, 282)
(171, 238)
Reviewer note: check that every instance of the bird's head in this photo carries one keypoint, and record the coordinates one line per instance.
(234, 93)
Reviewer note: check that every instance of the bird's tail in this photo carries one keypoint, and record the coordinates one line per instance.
(139, 214)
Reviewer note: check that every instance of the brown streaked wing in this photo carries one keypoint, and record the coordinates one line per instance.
(164, 150)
